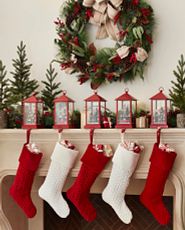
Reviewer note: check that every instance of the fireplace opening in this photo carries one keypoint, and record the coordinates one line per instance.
(106, 217)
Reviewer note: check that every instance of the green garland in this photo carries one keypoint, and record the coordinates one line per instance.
(135, 21)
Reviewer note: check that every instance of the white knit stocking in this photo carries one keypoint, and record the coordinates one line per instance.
(124, 164)
(62, 161)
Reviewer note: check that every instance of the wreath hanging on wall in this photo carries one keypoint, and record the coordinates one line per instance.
(128, 22)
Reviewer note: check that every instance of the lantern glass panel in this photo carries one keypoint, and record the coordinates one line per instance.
(93, 112)
(169, 105)
(39, 112)
(102, 104)
(134, 107)
(70, 108)
(29, 113)
(123, 112)
(159, 111)
(61, 113)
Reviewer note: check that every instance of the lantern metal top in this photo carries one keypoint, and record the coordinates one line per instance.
(95, 97)
(160, 95)
(63, 98)
(33, 99)
(126, 97)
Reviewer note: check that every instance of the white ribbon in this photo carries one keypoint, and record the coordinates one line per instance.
(123, 51)
(141, 54)
(103, 16)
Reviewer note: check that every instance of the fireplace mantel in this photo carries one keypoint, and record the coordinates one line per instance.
(11, 141)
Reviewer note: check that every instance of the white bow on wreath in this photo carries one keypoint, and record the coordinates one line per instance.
(104, 16)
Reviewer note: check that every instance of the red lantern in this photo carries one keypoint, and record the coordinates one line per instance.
(63, 109)
(159, 107)
(32, 112)
(95, 108)
(126, 105)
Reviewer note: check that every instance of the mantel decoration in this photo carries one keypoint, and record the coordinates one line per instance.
(32, 112)
(160, 105)
(128, 22)
(95, 110)
(126, 106)
(63, 110)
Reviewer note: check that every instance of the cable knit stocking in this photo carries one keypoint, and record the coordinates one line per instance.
(62, 161)
(160, 167)
(21, 187)
(124, 164)
(93, 163)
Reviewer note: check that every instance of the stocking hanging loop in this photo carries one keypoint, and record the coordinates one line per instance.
(60, 135)
(91, 136)
(158, 135)
(123, 135)
(28, 132)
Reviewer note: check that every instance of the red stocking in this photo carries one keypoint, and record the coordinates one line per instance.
(21, 187)
(160, 167)
(93, 163)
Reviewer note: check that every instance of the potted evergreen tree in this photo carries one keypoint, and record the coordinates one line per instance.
(49, 93)
(4, 94)
(177, 92)
(21, 86)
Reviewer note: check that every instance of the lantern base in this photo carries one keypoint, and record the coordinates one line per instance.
(62, 126)
(93, 126)
(119, 126)
(158, 125)
(31, 126)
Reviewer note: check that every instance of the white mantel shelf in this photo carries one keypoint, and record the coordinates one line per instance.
(11, 141)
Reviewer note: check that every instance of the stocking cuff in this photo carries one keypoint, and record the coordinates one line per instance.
(125, 159)
(63, 155)
(161, 158)
(30, 160)
(95, 160)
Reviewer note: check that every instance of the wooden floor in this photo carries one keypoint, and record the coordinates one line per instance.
(106, 217)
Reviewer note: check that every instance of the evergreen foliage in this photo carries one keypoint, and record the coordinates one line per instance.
(4, 89)
(51, 89)
(21, 85)
(177, 93)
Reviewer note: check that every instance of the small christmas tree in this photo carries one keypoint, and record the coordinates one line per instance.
(4, 89)
(21, 85)
(51, 89)
(177, 93)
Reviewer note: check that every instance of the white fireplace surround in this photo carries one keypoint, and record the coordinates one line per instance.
(11, 141)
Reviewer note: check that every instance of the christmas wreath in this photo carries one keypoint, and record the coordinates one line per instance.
(128, 22)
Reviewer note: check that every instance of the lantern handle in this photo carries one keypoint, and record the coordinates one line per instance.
(91, 136)
(28, 132)
(161, 89)
(158, 135)
(123, 135)
(126, 90)
(64, 92)
(60, 135)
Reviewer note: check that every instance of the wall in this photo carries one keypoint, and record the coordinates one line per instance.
(32, 22)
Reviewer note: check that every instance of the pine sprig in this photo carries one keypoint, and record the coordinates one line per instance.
(51, 89)
(21, 85)
(4, 87)
(177, 93)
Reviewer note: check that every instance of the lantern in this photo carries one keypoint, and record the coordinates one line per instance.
(159, 109)
(126, 105)
(32, 112)
(95, 108)
(63, 109)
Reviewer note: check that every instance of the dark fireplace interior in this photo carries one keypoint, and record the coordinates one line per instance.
(106, 217)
